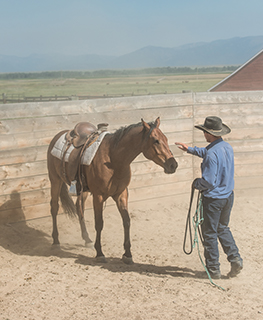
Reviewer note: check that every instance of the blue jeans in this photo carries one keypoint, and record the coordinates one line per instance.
(215, 226)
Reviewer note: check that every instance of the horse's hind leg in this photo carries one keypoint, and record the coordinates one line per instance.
(122, 204)
(97, 206)
(55, 192)
(80, 204)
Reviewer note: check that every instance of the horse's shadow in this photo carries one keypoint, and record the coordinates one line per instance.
(18, 237)
(22, 239)
(116, 265)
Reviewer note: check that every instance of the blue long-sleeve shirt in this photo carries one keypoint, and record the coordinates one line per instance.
(217, 169)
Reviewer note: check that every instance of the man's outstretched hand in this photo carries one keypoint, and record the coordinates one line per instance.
(182, 146)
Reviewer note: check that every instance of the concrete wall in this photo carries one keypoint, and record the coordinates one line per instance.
(26, 130)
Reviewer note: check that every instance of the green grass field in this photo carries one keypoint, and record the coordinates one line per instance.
(130, 85)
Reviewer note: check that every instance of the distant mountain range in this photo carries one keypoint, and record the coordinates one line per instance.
(235, 51)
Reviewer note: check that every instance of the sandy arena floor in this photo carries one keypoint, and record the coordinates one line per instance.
(41, 282)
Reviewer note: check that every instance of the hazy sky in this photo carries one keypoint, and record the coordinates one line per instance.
(116, 27)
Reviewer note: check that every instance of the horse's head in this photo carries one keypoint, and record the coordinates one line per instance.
(156, 148)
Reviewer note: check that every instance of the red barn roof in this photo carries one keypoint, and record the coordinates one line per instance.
(248, 77)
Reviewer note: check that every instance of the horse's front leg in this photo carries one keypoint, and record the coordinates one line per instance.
(80, 205)
(98, 210)
(122, 204)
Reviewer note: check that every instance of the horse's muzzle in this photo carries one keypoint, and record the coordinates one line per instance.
(170, 165)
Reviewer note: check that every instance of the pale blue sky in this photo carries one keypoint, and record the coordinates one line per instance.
(116, 27)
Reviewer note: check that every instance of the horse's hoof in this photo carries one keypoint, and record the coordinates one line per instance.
(55, 244)
(56, 247)
(127, 260)
(87, 241)
(101, 259)
(89, 245)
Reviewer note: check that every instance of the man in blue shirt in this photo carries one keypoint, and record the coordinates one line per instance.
(216, 185)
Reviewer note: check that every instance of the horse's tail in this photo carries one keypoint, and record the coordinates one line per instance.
(67, 202)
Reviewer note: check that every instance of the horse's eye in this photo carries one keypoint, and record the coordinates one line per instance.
(156, 141)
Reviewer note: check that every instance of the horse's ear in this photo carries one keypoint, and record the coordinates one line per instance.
(146, 125)
(157, 122)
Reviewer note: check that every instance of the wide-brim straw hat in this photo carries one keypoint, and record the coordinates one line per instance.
(214, 126)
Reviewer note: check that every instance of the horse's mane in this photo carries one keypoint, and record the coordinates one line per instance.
(121, 132)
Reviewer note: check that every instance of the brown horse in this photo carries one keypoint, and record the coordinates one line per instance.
(109, 175)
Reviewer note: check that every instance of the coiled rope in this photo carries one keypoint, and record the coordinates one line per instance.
(197, 220)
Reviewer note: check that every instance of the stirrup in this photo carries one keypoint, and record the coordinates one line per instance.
(72, 188)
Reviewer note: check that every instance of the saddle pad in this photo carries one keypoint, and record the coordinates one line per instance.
(61, 145)
(90, 152)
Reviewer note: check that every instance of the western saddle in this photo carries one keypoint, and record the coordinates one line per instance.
(83, 132)
(81, 137)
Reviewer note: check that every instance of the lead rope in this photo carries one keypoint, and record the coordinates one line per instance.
(188, 225)
(197, 220)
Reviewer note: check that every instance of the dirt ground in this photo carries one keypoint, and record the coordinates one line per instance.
(38, 281)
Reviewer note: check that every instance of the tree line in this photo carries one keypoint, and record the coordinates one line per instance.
(116, 73)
